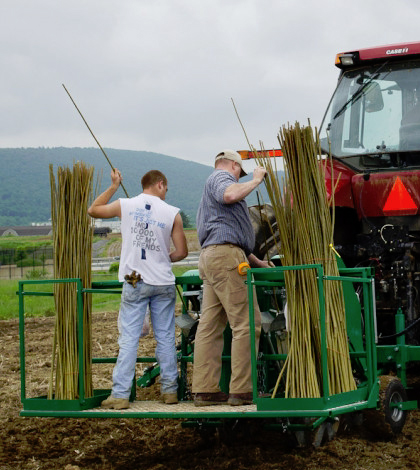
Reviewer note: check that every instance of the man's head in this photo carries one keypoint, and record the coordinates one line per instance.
(230, 158)
(154, 182)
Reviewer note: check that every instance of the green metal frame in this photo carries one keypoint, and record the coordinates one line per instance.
(34, 406)
(41, 403)
(81, 403)
(365, 352)
(398, 356)
(366, 395)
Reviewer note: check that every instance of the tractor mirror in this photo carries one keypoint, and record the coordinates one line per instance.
(373, 98)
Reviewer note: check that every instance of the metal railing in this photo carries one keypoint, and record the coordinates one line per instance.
(17, 263)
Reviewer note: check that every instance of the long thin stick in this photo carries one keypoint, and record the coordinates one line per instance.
(262, 225)
(93, 135)
(240, 122)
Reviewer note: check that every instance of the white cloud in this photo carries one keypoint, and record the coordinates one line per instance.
(159, 75)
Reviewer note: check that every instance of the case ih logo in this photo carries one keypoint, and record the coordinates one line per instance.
(397, 51)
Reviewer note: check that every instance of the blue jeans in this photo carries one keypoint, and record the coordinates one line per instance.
(134, 303)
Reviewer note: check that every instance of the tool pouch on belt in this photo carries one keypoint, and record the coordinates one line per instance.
(132, 278)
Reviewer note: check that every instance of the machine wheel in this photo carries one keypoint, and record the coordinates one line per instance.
(325, 433)
(388, 420)
(391, 393)
(319, 436)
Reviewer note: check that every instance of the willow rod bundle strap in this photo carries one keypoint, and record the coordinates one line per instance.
(303, 216)
(72, 234)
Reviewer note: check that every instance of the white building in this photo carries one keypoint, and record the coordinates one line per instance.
(113, 224)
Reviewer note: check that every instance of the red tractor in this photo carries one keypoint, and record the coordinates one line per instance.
(372, 131)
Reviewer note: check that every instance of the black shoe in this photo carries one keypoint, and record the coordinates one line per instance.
(237, 399)
(208, 399)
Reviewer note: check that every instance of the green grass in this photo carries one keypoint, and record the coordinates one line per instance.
(39, 306)
(34, 305)
(10, 242)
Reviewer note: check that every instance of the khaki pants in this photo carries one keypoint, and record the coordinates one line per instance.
(225, 298)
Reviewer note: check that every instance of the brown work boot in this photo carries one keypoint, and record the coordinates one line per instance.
(116, 403)
(237, 399)
(169, 398)
(208, 399)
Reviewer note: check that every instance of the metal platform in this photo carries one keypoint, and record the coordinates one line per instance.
(180, 408)
(155, 409)
(291, 410)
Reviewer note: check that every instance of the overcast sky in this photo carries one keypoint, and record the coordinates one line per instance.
(159, 75)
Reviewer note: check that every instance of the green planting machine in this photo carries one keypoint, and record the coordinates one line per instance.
(380, 371)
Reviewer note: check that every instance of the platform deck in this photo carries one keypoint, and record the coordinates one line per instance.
(155, 409)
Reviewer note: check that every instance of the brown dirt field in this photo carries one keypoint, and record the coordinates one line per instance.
(71, 444)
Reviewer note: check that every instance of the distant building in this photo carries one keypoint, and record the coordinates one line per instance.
(40, 224)
(26, 231)
(113, 224)
(101, 231)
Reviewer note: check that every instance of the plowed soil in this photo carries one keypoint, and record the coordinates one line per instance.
(57, 443)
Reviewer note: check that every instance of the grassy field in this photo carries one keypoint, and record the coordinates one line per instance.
(36, 306)
(44, 306)
(10, 242)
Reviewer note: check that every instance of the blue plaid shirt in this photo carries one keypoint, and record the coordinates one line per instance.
(219, 223)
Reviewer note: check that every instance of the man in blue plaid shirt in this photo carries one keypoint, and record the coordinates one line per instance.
(227, 239)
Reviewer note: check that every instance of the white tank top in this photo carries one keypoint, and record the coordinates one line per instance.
(146, 227)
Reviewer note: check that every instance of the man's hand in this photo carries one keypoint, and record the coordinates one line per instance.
(100, 207)
(259, 174)
(116, 177)
(267, 264)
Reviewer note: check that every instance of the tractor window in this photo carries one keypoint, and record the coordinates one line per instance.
(384, 122)
(372, 116)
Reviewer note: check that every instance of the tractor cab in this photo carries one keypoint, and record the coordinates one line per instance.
(373, 120)
(371, 129)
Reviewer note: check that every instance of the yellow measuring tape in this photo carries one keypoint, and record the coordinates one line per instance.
(243, 268)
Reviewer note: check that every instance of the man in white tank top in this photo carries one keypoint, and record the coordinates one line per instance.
(148, 224)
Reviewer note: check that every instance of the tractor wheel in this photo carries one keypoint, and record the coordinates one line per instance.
(389, 420)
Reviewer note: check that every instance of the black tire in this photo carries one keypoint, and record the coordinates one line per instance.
(387, 421)
(391, 393)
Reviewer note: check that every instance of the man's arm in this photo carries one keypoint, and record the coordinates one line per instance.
(179, 240)
(100, 209)
(238, 191)
(255, 262)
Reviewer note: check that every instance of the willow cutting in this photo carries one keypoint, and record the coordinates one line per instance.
(305, 219)
(72, 235)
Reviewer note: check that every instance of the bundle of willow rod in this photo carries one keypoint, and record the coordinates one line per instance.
(72, 234)
(303, 216)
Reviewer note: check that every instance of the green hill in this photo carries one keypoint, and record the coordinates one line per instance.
(25, 189)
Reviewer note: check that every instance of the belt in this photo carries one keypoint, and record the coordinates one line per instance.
(224, 244)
